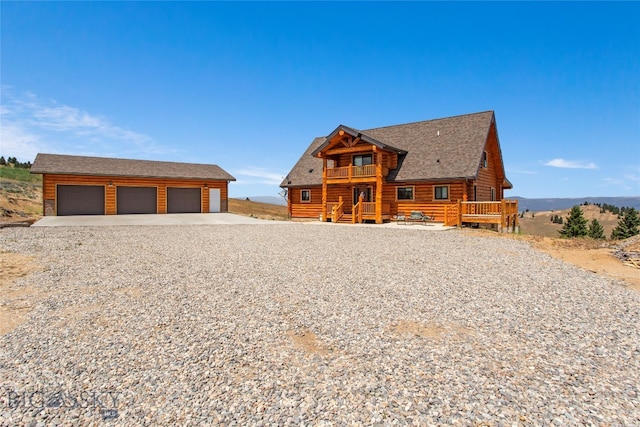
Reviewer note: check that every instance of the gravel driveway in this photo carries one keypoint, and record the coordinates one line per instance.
(305, 325)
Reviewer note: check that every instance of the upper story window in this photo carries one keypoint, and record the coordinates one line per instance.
(485, 162)
(362, 160)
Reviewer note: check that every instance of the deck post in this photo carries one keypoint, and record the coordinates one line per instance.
(324, 189)
(378, 186)
(503, 215)
(459, 222)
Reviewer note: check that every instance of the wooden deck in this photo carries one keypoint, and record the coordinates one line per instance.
(504, 213)
(358, 213)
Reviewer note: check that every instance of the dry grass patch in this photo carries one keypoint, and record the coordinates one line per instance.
(308, 342)
(258, 210)
(15, 301)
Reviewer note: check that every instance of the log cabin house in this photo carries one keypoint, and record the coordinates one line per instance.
(79, 185)
(450, 169)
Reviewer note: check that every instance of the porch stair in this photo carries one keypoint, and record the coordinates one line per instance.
(345, 219)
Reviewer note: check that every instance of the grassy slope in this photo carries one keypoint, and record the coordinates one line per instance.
(20, 175)
(258, 210)
(20, 194)
(541, 225)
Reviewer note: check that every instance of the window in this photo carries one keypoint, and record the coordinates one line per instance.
(475, 192)
(404, 193)
(493, 194)
(485, 162)
(305, 195)
(362, 160)
(441, 193)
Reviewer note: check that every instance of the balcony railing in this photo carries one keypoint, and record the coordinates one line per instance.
(349, 172)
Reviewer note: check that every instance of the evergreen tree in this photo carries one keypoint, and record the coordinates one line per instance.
(628, 225)
(596, 230)
(576, 225)
(3, 162)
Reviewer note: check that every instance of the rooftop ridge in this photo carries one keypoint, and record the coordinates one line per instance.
(126, 159)
(430, 120)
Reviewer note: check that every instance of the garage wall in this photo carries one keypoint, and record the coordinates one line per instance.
(49, 182)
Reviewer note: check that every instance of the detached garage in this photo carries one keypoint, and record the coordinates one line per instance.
(79, 185)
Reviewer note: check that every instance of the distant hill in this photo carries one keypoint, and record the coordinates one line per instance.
(538, 223)
(538, 205)
(270, 200)
(258, 209)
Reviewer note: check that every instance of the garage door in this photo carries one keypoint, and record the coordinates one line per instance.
(137, 200)
(183, 200)
(80, 200)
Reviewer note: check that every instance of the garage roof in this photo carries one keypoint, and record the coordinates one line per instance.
(107, 166)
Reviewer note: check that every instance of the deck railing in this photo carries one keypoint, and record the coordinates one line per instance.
(481, 208)
(336, 211)
(504, 213)
(356, 214)
(348, 172)
(489, 208)
(360, 211)
(368, 208)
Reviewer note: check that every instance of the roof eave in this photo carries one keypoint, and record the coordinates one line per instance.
(357, 134)
(198, 178)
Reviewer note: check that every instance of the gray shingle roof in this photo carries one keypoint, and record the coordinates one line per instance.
(446, 148)
(105, 166)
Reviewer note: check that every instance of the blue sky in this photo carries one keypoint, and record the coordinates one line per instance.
(249, 85)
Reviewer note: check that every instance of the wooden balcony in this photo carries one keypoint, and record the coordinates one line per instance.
(367, 173)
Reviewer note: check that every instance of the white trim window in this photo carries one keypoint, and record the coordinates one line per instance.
(493, 194)
(305, 196)
(485, 160)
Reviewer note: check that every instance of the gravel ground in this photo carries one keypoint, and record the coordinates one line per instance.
(300, 324)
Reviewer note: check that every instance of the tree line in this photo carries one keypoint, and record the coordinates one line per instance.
(12, 161)
(578, 226)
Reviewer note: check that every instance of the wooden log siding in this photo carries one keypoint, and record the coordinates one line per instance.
(489, 177)
(310, 209)
(423, 198)
(50, 181)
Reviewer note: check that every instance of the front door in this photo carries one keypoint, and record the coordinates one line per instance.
(365, 191)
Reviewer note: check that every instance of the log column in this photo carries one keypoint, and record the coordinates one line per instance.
(378, 156)
(324, 188)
